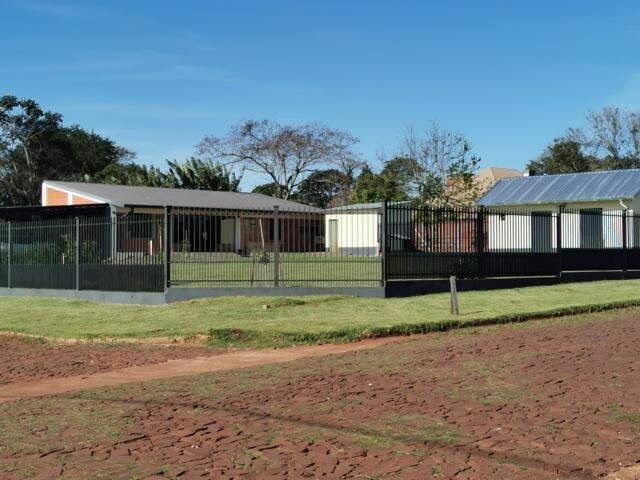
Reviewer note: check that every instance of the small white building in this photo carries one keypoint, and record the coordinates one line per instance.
(357, 229)
(593, 206)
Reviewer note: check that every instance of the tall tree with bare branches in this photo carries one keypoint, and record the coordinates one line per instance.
(442, 164)
(610, 140)
(284, 155)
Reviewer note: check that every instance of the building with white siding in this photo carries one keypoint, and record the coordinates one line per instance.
(357, 229)
(596, 209)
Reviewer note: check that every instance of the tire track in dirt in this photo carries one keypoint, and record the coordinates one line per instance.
(176, 368)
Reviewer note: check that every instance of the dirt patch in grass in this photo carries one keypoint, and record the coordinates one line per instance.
(25, 358)
(547, 400)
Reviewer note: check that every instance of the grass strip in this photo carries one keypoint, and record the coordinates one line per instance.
(239, 337)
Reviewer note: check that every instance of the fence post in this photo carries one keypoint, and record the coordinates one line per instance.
(559, 239)
(9, 251)
(624, 240)
(480, 247)
(276, 246)
(383, 243)
(166, 239)
(77, 253)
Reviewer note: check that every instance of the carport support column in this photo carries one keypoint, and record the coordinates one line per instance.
(77, 253)
(276, 246)
(383, 242)
(166, 247)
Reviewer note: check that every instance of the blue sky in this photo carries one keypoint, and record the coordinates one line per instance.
(156, 76)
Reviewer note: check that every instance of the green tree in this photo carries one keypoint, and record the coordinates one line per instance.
(610, 140)
(198, 174)
(442, 166)
(34, 146)
(392, 183)
(131, 174)
(24, 130)
(269, 189)
(562, 156)
(324, 188)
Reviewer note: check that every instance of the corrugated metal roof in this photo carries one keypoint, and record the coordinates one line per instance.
(121, 195)
(565, 188)
(364, 206)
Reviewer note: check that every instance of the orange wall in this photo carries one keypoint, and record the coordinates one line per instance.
(55, 197)
(61, 197)
(78, 200)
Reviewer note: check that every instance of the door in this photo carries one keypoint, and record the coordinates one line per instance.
(591, 228)
(227, 234)
(541, 231)
(333, 236)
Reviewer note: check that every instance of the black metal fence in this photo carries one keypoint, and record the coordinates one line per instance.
(149, 250)
(83, 254)
(200, 247)
(275, 247)
(430, 243)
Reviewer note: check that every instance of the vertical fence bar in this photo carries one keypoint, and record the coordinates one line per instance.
(624, 240)
(77, 253)
(559, 239)
(276, 246)
(480, 241)
(9, 250)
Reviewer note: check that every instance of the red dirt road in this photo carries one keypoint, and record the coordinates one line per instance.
(24, 358)
(174, 368)
(546, 400)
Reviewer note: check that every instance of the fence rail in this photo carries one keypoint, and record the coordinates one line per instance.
(363, 246)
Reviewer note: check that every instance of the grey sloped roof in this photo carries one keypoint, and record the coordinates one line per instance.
(569, 187)
(364, 206)
(121, 195)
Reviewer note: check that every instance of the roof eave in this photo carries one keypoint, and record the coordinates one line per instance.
(555, 202)
(55, 184)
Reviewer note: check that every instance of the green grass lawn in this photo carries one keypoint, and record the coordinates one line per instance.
(296, 270)
(244, 321)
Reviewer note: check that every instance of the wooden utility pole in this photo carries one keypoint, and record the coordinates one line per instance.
(454, 306)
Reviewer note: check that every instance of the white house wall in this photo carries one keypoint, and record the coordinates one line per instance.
(513, 232)
(357, 233)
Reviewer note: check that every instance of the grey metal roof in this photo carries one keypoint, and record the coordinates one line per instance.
(364, 206)
(120, 195)
(565, 188)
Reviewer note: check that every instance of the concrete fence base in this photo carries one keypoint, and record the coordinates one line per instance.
(182, 294)
(399, 288)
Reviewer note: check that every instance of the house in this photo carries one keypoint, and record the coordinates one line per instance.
(461, 193)
(203, 221)
(488, 177)
(596, 209)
